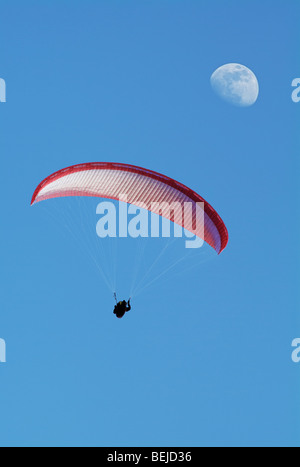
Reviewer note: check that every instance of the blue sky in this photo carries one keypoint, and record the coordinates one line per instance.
(204, 358)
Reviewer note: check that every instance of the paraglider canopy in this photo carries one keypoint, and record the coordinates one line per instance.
(141, 187)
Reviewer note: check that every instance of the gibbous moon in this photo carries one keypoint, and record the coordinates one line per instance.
(236, 84)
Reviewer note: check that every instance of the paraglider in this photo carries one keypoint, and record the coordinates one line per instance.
(136, 186)
(121, 307)
(149, 191)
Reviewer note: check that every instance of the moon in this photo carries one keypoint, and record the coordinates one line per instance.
(236, 84)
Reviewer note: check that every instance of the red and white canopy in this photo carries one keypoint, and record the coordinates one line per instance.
(141, 187)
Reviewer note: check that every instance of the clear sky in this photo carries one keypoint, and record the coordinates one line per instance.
(204, 358)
